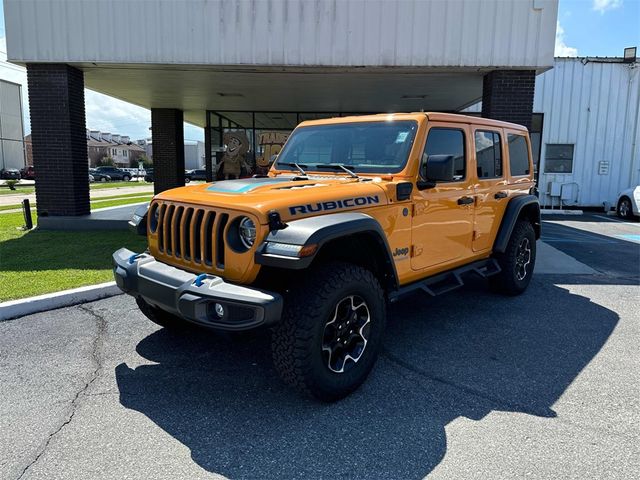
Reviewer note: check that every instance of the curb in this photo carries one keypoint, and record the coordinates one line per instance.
(50, 301)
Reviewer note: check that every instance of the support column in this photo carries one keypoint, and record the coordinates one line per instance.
(168, 148)
(58, 138)
(208, 163)
(508, 95)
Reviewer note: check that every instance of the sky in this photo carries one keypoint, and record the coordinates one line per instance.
(585, 28)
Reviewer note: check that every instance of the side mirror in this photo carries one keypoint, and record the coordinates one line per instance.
(439, 168)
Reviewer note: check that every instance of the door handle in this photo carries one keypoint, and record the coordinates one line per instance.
(465, 200)
(500, 195)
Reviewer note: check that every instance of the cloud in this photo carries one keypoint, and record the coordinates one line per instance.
(115, 116)
(604, 5)
(561, 49)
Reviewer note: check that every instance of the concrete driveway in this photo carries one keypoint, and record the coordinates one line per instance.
(470, 385)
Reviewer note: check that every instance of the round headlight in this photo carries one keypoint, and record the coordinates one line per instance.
(247, 232)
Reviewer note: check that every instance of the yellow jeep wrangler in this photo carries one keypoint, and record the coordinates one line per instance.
(354, 213)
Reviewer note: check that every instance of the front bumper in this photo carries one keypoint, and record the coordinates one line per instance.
(194, 297)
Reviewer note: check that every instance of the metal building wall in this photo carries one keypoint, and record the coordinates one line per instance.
(595, 106)
(421, 33)
(11, 129)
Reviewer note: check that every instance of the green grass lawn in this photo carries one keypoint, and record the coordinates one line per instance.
(27, 189)
(103, 202)
(37, 262)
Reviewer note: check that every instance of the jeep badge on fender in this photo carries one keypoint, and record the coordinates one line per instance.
(354, 213)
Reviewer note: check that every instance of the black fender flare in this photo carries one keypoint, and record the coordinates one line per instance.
(318, 231)
(514, 208)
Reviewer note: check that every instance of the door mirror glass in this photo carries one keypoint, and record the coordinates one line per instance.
(439, 168)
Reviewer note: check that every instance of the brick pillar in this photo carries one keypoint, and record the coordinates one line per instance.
(508, 95)
(59, 141)
(168, 148)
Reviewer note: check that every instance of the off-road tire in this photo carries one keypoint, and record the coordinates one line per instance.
(507, 281)
(626, 213)
(297, 340)
(161, 317)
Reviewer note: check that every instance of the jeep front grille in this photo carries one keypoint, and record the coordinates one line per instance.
(192, 235)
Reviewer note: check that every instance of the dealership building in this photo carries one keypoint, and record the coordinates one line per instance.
(262, 66)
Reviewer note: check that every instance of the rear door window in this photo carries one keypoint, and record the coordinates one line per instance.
(488, 154)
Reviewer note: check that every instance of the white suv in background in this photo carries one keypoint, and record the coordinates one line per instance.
(628, 201)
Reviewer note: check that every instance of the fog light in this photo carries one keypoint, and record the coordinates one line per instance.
(219, 310)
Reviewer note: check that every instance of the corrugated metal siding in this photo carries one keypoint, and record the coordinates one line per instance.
(438, 33)
(594, 106)
(11, 130)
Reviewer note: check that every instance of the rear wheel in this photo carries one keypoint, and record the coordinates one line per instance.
(331, 331)
(161, 317)
(126, 178)
(625, 210)
(517, 261)
(103, 179)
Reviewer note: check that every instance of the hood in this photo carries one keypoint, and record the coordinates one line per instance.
(292, 198)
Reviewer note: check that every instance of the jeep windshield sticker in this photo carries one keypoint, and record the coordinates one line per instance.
(334, 205)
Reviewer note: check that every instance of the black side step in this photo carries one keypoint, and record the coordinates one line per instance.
(450, 280)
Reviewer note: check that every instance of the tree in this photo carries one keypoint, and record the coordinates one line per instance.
(106, 162)
(146, 163)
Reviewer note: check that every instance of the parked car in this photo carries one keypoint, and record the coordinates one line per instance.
(98, 176)
(628, 203)
(10, 174)
(28, 173)
(198, 174)
(115, 173)
(148, 177)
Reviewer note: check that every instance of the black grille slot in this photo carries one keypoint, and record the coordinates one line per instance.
(207, 240)
(160, 230)
(222, 223)
(168, 235)
(197, 245)
(177, 233)
(187, 234)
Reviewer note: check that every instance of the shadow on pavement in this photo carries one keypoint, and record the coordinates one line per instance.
(616, 259)
(464, 354)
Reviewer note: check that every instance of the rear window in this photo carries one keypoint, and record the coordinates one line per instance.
(518, 155)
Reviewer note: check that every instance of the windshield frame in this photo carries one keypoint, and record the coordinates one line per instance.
(359, 169)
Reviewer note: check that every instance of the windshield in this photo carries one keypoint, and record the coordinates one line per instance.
(375, 147)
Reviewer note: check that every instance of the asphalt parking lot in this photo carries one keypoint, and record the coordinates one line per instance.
(470, 385)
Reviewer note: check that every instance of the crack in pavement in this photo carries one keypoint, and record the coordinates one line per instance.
(96, 360)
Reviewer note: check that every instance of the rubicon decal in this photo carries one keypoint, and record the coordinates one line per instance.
(334, 205)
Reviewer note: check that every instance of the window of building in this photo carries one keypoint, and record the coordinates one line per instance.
(488, 154)
(518, 155)
(125, 153)
(558, 158)
(447, 141)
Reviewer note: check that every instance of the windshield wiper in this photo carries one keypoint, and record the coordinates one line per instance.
(295, 165)
(338, 166)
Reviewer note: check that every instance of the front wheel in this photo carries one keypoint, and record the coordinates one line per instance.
(331, 331)
(517, 261)
(625, 210)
